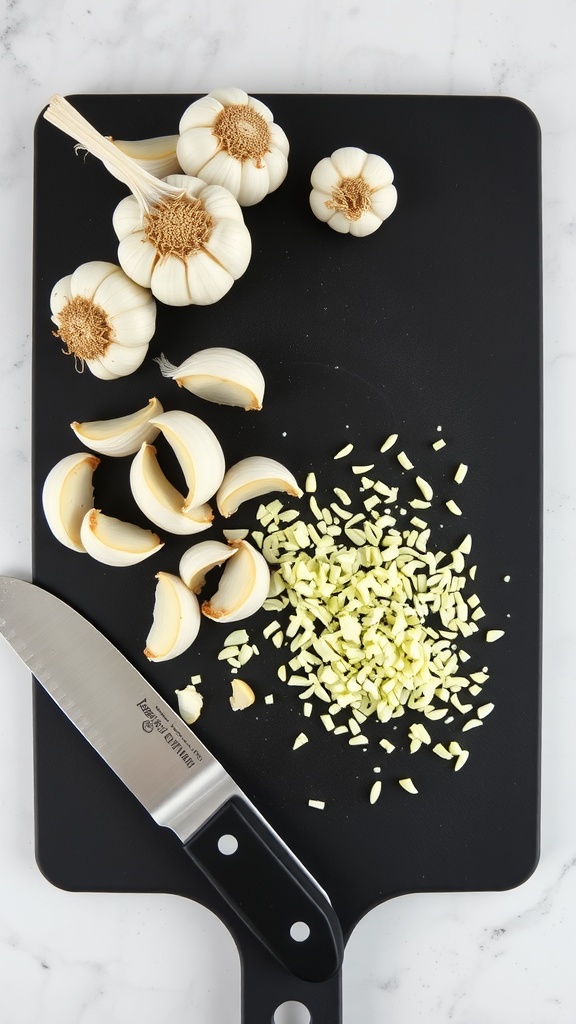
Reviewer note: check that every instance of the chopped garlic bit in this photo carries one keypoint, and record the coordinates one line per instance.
(344, 451)
(310, 484)
(300, 740)
(453, 507)
(318, 804)
(404, 461)
(494, 634)
(189, 703)
(408, 785)
(375, 791)
(437, 445)
(242, 695)
(460, 473)
(389, 442)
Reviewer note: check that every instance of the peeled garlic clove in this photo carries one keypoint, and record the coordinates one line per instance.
(160, 501)
(199, 559)
(189, 703)
(198, 451)
(252, 477)
(114, 542)
(221, 375)
(67, 495)
(176, 619)
(242, 695)
(243, 588)
(123, 435)
(157, 155)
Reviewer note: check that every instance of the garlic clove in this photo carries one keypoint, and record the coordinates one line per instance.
(136, 256)
(199, 559)
(120, 295)
(190, 704)
(207, 280)
(223, 170)
(242, 695)
(88, 277)
(229, 95)
(325, 175)
(230, 245)
(349, 161)
(221, 203)
(251, 478)
(114, 542)
(243, 587)
(200, 114)
(60, 295)
(198, 148)
(278, 140)
(377, 171)
(198, 451)
(127, 217)
(67, 495)
(171, 282)
(221, 375)
(176, 619)
(157, 155)
(254, 183)
(159, 500)
(368, 223)
(123, 435)
(384, 201)
(277, 164)
(117, 361)
(130, 327)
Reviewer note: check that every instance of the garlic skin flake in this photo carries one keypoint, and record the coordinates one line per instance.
(123, 435)
(198, 451)
(160, 501)
(243, 587)
(176, 619)
(114, 542)
(230, 138)
(252, 477)
(105, 320)
(352, 191)
(182, 238)
(200, 558)
(67, 495)
(221, 375)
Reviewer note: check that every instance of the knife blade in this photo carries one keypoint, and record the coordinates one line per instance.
(176, 778)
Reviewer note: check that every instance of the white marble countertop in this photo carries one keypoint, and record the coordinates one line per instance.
(501, 958)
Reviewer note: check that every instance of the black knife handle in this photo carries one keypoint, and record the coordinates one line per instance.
(268, 890)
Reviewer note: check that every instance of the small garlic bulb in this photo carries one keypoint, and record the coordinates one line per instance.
(182, 238)
(105, 320)
(229, 138)
(352, 191)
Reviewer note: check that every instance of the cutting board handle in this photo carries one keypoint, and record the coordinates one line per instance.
(271, 893)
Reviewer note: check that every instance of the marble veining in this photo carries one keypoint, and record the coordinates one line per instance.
(491, 958)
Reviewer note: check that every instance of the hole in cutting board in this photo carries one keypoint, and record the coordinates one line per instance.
(299, 931)
(292, 1012)
(227, 845)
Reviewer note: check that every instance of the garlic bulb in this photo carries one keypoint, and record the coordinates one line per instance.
(221, 375)
(243, 587)
(189, 703)
(199, 559)
(198, 451)
(123, 435)
(251, 478)
(114, 542)
(175, 620)
(67, 495)
(352, 191)
(182, 238)
(160, 501)
(105, 320)
(229, 138)
(157, 156)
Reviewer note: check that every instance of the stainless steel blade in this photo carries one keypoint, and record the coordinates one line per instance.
(137, 733)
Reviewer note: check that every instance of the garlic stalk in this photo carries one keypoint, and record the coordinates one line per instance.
(175, 619)
(123, 435)
(198, 451)
(199, 559)
(352, 191)
(251, 478)
(181, 238)
(105, 320)
(67, 495)
(229, 138)
(243, 587)
(157, 155)
(221, 375)
(160, 501)
(114, 542)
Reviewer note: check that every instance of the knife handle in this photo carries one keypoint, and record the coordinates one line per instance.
(276, 899)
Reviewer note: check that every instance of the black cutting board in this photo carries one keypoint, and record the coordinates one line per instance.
(433, 321)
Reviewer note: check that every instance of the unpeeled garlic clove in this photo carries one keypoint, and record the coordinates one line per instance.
(123, 435)
(251, 478)
(198, 451)
(243, 587)
(189, 704)
(157, 155)
(176, 619)
(114, 542)
(199, 559)
(242, 695)
(67, 495)
(221, 375)
(160, 501)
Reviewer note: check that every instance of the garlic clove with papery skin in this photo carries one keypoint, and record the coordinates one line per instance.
(123, 435)
(105, 320)
(67, 495)
(157, 155)
(198, 451)
(252, 477)
(114, 542)
(230, 138)
(221, 375)
(352, 191)
(160, 501)
(176, 619)
(199, 559)
(243, 586)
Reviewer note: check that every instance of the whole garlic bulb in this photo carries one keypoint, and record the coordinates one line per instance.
(352, 191)
(229, 138)
(104, 318)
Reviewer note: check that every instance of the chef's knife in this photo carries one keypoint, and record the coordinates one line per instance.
(175, 777)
